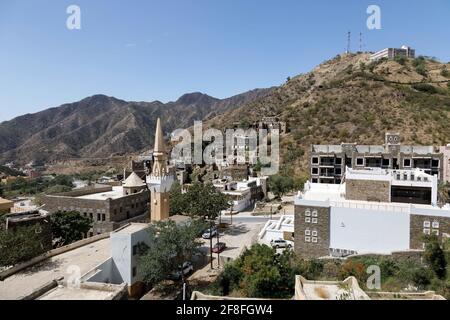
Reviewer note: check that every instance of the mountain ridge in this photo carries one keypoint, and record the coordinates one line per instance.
(103, 126)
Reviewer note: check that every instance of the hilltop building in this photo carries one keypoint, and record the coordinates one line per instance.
(160, 180)
(392, 53)
(374, 210)
(328, 162)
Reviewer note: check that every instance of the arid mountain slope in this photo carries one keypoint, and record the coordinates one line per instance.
(351, 99)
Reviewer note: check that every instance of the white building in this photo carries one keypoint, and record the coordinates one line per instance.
(392, 53)
(122, 266)
(373, 211)
(282, 228)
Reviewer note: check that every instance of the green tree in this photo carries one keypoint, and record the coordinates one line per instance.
(171, 245)
(443, 196)
(205, 201)
(435, 256)
(19, 245)
(260, 273)
(69, 227)
(280, 185)
(178, 200)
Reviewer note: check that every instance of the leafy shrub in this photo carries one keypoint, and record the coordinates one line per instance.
(424, 87)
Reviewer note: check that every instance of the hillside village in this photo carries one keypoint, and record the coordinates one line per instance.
(363, 180)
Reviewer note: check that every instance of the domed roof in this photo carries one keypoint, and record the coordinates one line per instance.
(133, 181)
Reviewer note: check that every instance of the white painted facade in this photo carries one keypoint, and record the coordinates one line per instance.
(371, 227)
(122, 266)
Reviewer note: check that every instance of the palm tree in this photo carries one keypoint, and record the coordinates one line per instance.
(443, 195)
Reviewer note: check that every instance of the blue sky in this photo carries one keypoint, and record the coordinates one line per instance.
(158, 50)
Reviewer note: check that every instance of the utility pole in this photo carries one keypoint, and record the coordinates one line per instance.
(218, 249)
(360, 42)
(210, 243)
(231, 213)
(349, 35)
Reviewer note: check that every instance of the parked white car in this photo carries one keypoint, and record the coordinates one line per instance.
(280, 243)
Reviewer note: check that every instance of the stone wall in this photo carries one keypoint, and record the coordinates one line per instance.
(312, 231)
(367, 190)
(104, 213)
(419, 224)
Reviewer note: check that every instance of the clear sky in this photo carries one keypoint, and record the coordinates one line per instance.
(160, 49)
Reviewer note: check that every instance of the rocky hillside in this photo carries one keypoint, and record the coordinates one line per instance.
(101, 126)
(350, 99)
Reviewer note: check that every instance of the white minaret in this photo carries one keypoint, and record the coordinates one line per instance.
(159, 181)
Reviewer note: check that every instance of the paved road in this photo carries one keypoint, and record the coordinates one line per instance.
(248, 219)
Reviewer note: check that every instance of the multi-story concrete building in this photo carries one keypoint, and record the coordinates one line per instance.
(328, 162)
(446, 165)
(243, 194)
(392, 53)
(108, 207)
(374, 211)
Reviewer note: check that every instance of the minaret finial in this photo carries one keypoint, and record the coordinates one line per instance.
(159, 138)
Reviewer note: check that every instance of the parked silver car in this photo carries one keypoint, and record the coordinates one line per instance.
(280, 243)
(209, 233)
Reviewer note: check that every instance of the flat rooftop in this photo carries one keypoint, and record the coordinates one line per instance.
(116, 193)
(132, 228)
(375, 149)
(83, 293)
(28, 280)
(334, 195)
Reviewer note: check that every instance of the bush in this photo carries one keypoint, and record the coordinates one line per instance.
(401, 60)
(423, 87)
(445, 73)
(19, 245)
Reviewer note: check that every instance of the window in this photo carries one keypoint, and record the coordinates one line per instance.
(307, 232)
(315, 160)
(307, 239)
(314, 213)
(91, 215)
(103, 217)
(435, 163)
(338, 171)
(360, 162)
(308, 213)
(407, 163)
(308, 220)
(314, 220)
(98, 217)
(338, 161)
(314, 180)
(315, 171)
(134, 271)
(436, 224)
(426, 231)
(386, 162)
(314, 233)
(436, 232)
(135, 247)
(314, 239)
(426, 224)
